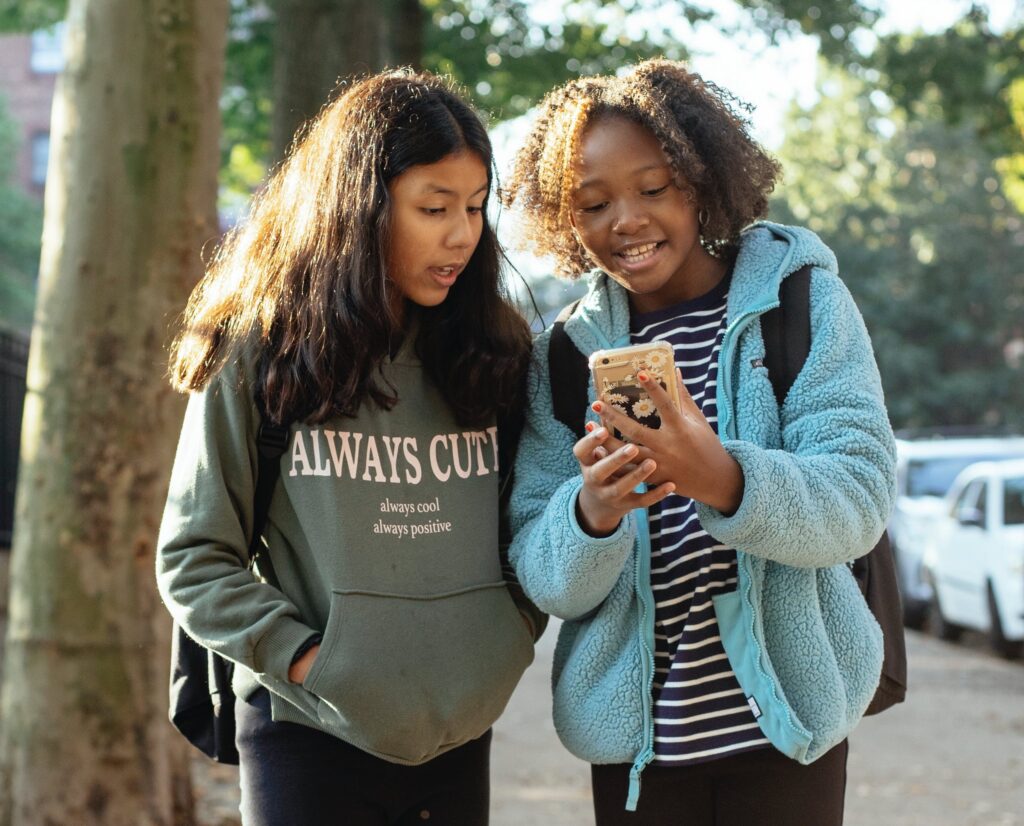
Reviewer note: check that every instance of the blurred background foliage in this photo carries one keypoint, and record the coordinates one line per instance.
(21, 225)
(910, 164)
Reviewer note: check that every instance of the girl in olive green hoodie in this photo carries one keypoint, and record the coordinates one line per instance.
(361, 303)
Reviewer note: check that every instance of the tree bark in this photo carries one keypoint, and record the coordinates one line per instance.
(130, 201)
(317, 43)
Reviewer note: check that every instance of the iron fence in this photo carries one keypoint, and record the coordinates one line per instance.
(13, 365)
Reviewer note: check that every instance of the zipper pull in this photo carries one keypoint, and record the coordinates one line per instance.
(645, 757)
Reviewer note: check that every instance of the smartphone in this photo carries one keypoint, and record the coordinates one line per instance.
(616, 383)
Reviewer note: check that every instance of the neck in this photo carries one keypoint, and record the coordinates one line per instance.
(698, 276)
(701, 276)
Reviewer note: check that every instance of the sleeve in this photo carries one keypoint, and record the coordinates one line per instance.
(825, 497)
(202, 551)
(536, 618)
(562, 569)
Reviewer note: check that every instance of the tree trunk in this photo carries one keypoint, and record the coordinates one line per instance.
(130, 200)
(317, 43)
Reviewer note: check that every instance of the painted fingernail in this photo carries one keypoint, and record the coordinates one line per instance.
(596, 407)
(590, 427)
(642, 376)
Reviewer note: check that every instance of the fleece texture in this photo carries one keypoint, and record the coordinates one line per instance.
(819, 484)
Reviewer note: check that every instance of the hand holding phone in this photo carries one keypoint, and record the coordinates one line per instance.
(684, 447)
(616, 379)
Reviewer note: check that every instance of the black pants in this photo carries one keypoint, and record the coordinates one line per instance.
(755, 788)
(293, 775)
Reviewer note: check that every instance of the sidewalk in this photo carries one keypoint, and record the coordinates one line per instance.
(952, 755)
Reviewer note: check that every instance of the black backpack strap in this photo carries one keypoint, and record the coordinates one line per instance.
(568, 375)
(271, 442)
(787, 332)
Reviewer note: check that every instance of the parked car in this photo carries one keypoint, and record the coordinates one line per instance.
(926, 468)
(975, 559)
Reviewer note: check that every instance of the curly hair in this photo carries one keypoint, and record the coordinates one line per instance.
(699, 126)
(303, 282)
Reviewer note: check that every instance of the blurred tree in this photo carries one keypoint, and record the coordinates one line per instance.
(21, 224)
(506, 53)
(966, 74)
(27, 15)
(130, 201)
(316, 42)
(928, 244)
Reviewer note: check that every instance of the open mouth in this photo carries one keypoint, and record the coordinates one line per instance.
(445, 276)
(639, 253)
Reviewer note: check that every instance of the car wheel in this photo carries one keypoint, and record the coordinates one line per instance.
(1010, 649)
(941, 627)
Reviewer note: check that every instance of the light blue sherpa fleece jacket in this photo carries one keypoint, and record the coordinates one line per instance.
(819, 482)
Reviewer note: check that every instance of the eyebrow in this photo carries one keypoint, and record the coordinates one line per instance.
(432, 189)
(648, 168)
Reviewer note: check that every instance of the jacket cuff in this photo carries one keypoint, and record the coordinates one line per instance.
(613, 538)
(734, 530)
(274, 652)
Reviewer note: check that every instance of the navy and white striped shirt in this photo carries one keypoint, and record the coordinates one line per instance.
(700, 711)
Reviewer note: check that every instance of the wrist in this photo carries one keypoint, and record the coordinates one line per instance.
(594, 524)
(303, 659)
(728, 492)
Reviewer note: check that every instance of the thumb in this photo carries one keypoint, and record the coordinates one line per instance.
(686, 401)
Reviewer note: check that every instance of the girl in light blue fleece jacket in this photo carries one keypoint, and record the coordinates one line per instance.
(714, 639)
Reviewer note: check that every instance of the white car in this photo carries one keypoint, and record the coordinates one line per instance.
(926, 467)
(975, 560)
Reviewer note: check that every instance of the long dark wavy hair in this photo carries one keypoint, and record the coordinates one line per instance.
(302, 284)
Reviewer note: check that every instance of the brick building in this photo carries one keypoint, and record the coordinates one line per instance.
(29, 65)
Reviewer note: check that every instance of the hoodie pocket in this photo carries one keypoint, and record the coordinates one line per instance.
(409, 677)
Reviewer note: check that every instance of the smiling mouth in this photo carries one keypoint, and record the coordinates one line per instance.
(639, 253)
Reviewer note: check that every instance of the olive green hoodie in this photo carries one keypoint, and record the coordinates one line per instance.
(383, 534)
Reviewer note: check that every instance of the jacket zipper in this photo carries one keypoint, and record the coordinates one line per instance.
(645, 598)
(725, 383)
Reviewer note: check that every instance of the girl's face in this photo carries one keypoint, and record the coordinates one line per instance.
(436, 221)
(633, 219)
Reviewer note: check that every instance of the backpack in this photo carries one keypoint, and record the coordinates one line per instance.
(202, 704)
(787, 336)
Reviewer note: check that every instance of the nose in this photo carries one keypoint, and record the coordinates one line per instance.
(630, 219)
(463, 232)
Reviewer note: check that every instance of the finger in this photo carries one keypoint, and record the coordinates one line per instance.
(613, 442)
(659, 395)
(686, 401)
(643, 452)
(624, 485)
(616, 420)
(603, 470)
(655, 495)
(584, 448)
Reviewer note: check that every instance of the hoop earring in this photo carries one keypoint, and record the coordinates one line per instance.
(702, 216)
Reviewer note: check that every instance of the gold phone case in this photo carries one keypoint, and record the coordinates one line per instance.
(616, 383)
